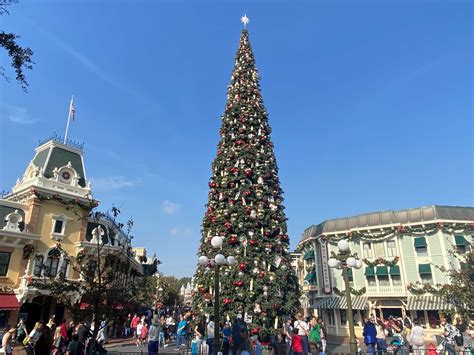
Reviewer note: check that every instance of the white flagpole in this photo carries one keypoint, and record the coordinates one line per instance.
(68, 118)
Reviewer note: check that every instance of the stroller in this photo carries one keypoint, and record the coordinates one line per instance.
(396, 345)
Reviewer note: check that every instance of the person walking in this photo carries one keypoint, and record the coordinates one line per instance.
(370, 334)
(450, 333)
(59, 342)
(181, 332)
(199, 333)
(154, 336)
(127, 325)
(210, 334)
(288, 334)
(324, 335)
(314, 336)
(301, 328)
(227, 335)
(381, 337)
(21, 332)
(75, 347)
(134, 324)
(416, 338)
(238, 331)
(7, 340)
(138, 334)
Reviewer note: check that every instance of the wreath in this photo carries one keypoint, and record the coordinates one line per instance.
(352, 290)
(381, 261)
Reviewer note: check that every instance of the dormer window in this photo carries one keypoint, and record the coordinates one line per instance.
(59, 223)
(13, 221)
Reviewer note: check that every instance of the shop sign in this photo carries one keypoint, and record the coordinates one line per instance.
(6, 288)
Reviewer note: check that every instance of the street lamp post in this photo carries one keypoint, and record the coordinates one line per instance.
(345, 260)
(216, 262)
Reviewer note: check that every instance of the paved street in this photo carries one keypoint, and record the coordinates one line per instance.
(132, 349)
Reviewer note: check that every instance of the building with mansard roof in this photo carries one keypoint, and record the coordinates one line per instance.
(398, 248)
(45, 225)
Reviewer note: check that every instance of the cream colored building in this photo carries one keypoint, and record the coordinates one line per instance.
(406, 245)
(44, 224)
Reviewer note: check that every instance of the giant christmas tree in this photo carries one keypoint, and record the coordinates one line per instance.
(245, 207)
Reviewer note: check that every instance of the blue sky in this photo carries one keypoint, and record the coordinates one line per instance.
(371, 104)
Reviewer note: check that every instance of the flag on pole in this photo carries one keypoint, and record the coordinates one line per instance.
(72, 110)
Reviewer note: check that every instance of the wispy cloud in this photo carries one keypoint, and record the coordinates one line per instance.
(107, 183)
(180, 231)
(86, 61)
(169, 207)
(19, 115)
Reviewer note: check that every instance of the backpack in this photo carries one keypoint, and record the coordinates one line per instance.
(315, 334)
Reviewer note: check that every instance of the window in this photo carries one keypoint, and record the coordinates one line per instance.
(38, 265)
(391, 248)
(396, 280)
(343, 315)
(379, 249)
(420, 246)
(371, 281)
(461, 244)
(64, 266)
(350, 277)
(51, 266)
(367, 250)
(425, 273)
(330, 317)
(4, 261)
(58, 226)
(383, 281)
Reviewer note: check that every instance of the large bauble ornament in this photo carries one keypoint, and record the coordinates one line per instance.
(242, 266)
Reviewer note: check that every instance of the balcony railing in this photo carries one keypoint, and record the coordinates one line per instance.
(386, 290)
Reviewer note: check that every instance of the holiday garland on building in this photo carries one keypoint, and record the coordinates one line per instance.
(245, 207)
(381, 261)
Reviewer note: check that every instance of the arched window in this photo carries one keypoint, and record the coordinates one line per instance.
(52, 262)
(38, 265)
(64, 267)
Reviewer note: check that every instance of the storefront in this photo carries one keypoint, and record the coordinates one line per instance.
(9, 307)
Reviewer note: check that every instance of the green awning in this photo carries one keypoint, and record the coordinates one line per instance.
(420, 242)
(370, 271)
(424, 269)
(309, 255)
(460, 240)
(382, 271)
(395, 270)
(310, 276)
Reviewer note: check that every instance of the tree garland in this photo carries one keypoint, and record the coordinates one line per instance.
(381, 261)
(353, 291)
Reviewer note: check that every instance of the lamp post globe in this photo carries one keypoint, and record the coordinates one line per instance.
(351, 261)
(231, 261)
(332, 262)
(358, 264)
(216, 242)
(220, 259)
(203, 260)
(343, 245)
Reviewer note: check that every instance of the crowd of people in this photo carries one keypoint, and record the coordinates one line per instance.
(181, 329)
(402, 336)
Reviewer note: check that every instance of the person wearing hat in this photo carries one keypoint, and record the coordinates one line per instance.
(154, 335)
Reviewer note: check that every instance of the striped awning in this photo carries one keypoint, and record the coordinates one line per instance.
(336, 302)
(427, 303)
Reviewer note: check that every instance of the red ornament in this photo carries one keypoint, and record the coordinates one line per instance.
(252, 242)
(248, 210)
(239, 142)
(219, 152)
(233, 240)
(248, 172)
(276, 306)
(212, 185)
(247, 193)
(266, 234)
(261, 274)
(239, 283)
(202, 290)
(255, 330)
(228, 225)
(228, 300)
(242, 266)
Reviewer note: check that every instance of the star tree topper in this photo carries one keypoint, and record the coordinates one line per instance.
(245, 20)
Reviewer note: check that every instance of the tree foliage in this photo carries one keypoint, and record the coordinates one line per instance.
(20, 57)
